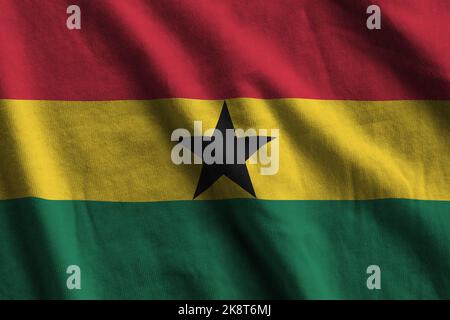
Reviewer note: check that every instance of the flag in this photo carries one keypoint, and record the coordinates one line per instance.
(344, 187)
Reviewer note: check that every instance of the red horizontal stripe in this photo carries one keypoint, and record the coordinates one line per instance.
(220, 49)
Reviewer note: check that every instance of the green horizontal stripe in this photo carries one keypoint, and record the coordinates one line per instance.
(233, 249)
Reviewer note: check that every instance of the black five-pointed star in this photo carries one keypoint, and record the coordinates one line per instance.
(237, 172)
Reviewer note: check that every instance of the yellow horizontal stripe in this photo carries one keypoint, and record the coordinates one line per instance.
(120, 150)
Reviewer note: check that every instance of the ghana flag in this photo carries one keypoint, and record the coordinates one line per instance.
(123, 173)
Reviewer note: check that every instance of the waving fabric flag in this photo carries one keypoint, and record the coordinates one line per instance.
(356, 127)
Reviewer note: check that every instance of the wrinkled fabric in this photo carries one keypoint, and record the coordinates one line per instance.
(87, 180)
